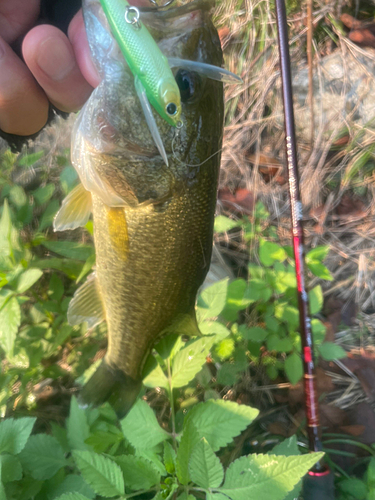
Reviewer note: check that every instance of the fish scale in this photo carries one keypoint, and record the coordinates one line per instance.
(153, 223)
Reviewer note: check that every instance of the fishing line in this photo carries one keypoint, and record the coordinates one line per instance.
(177, 136)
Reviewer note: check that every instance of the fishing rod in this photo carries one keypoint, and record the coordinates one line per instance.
(318, 483)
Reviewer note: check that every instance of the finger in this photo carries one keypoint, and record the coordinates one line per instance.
(78, 39)
(50, 57)
(23, 104)
(16, 17)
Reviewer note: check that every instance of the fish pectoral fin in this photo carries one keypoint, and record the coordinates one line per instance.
(207, 70)
(75, 210)
(147, 111)
(184, 324)
(87, 304)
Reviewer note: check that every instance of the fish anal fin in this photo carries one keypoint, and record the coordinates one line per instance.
(75, 210)
(86, 304)
(206, 70)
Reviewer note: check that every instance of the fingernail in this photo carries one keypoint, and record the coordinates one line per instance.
(55, 59)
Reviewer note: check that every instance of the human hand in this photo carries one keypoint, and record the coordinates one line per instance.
(57, 68)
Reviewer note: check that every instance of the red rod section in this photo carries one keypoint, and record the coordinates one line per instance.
(311, 400)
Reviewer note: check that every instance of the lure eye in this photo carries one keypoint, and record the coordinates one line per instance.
(171, 109)
(189, 83)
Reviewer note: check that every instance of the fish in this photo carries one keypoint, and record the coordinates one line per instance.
(153, 78)
(153, 223)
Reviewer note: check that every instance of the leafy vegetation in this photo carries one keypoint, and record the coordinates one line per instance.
(94, 455)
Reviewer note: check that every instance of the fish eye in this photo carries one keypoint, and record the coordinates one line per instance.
(171, 109)
(188, 83)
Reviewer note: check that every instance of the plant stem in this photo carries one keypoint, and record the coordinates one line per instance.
(171, 400)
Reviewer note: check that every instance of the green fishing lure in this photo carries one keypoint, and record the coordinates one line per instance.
(154, 81)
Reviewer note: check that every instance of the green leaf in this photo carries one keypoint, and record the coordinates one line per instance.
(42, 456)
(5, 231)
(103, 475)
(224, 224)
(11, 469)
(258, 290)
(316, 299)
(269, 477)
(70, 249)
(330, 351)
(287, 313)
(77, 427)
(27, 489)
(30, 159)
(320, 270)
(354, 487)
(139, 473)
(215, 496)
(287, 448)
(169, 458)
(141, 428)
(14, 434)
(68, 179)
(74, 484)
(275, 343)
(293, 368)
(87, 266)
(370, 473)
(225, 348)
(10, 320)
(43, 194)
(317, 254)
(219, 421)
(228, 374)
(72, 496)
(156, 378)
(237, 299)
(27, 279)
(70, 267)
(17, 196)
(270, 252)
(214, 328)
(318, 330)
(190, 438)
(56, 288)
(256, 334)
(205, 467)
(49, 214)
(212, 300)
(189, 360)
(2, 491)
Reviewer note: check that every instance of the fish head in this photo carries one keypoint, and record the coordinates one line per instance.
(111, 135)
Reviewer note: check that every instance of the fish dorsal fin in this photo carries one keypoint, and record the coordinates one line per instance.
(147, 111)
(86, 304)
(207, 70)
(75, 210)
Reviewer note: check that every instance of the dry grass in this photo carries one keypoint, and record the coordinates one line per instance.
(336, 174)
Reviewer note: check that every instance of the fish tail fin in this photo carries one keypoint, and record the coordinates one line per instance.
(113, 385)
